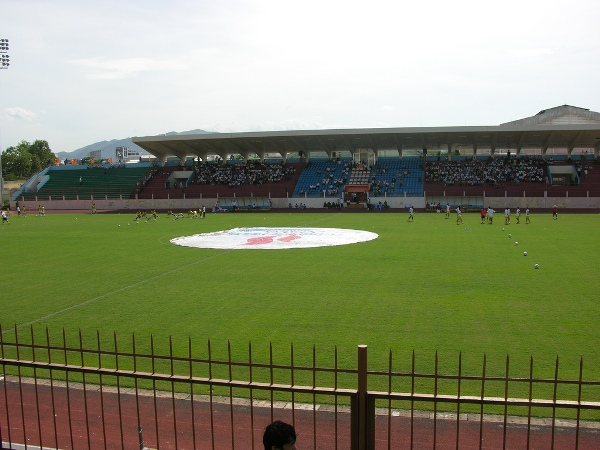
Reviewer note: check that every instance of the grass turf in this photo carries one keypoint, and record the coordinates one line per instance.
(425, 286)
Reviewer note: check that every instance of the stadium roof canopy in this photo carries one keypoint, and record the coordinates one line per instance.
(564, 127)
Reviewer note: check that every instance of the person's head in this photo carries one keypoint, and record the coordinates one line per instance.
(279, 436)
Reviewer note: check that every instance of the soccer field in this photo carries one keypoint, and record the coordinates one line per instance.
(428, 285)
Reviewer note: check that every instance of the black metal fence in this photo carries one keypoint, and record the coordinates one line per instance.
(56, 394)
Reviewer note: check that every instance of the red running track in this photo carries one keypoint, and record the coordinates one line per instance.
(108, 420)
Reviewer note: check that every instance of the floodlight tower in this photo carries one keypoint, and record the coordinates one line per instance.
(4, 63)
(4, 57)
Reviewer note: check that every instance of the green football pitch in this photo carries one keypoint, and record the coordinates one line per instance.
(428, 285)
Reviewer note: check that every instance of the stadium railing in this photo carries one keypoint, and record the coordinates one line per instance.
(65, 395)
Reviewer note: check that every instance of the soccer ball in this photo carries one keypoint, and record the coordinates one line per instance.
(516, 243)
(537, 266)
(119, 225)
(524, 253)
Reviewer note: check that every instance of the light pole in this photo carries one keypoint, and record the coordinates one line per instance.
(4, 63)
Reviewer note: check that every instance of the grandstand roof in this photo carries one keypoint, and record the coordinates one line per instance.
(547, 131)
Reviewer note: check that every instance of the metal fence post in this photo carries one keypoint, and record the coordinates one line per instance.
(366, 411)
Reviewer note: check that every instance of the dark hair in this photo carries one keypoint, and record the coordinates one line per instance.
(278, 434)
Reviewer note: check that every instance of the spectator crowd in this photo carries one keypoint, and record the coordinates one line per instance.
(334, 176)
(251, 173)
(494, 171)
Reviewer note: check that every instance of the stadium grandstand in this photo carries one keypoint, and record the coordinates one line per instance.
(549, 158)
(75, 182)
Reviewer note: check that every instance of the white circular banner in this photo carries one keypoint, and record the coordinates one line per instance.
(266, 238)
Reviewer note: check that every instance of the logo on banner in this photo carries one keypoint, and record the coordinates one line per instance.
(265, 238)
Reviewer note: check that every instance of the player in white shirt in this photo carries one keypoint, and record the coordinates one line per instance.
(458, 216)
(507, 216)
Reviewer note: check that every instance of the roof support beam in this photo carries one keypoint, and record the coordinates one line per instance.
(546, 143)
(493, 143)
(327, 146)
(572, 142)
(520, 143)
(348, 144)
(214, 150)
(303, 152)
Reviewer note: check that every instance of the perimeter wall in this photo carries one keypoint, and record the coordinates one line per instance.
(311, 203)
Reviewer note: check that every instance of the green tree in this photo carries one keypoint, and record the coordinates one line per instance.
(41, 154)
(26, 159)
(16, 161)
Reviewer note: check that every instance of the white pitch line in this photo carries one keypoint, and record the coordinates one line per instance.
(86, 302)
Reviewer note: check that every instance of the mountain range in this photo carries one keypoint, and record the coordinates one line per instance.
(108, 147)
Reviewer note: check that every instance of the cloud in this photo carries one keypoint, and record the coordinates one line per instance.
(113, 69)
(19, 113)
(386, 108)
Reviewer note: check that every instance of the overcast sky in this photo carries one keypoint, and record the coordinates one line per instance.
(84, 71)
